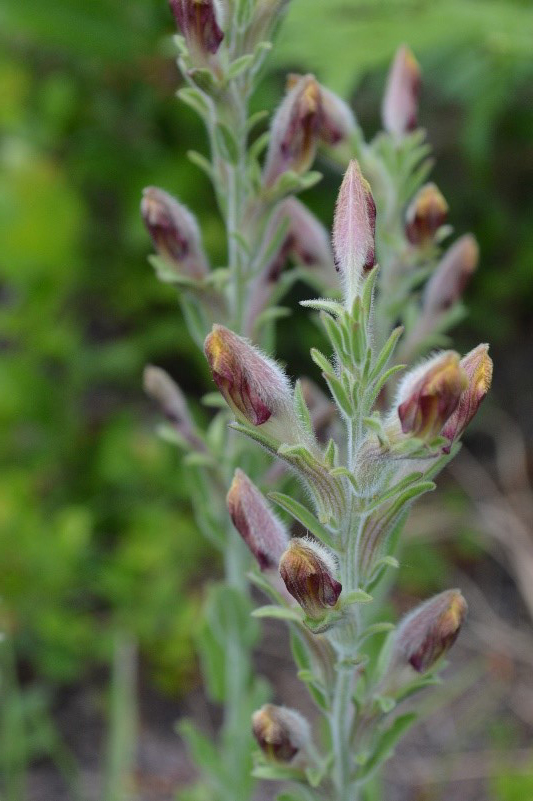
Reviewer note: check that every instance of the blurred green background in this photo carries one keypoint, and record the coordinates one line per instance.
(96, 534)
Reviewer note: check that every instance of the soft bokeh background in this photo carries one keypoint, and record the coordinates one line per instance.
(99, 556)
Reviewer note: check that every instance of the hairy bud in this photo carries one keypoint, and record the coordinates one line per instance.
(337, 121)
(308, 572)
(425, 215)
(160, 386)
(478, 367)
(281, 733)
(429, 395)
(261, 530)
(174, 232)
(451, 276)
(400, 102)
(199, 22)
(354, 229)
(253, 385)
(295, 130)
(430, 630)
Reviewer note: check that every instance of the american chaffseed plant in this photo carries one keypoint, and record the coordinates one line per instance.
(344, 469)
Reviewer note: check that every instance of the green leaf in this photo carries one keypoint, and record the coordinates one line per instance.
(301, 409)
(303, 515)
(196, 100)
(200, 161)
(357, 597)
(321, 361)
(323, 304)
(238, 66)
(278, 613)
(339, 394)
(386, 744)
(226, 142)
(278, 772)
(386, 352)
(201, 747)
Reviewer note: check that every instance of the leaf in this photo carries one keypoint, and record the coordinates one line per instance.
(226, 142)
(278, 613)
(201, 747)
(196, 100)
(321, 361)
(339, 394)
(386, 744)
(238, 66)
(357, 597)
(323, 304)
(386, 352)
(200, 161)
(278, 772)
(301, 409)
(303, 515)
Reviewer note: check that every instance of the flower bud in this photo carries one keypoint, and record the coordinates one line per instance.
(338, 121)
(354, 229)
(281, 733)
(425, 215)
(451, 276)
(478, 367)
(400, 101)
(253, 385)
(429, 395)
(261, 530)
(174, 232)
(430, 630)
(308, 572)
(295, 130)
(199, 22)
(160, 386)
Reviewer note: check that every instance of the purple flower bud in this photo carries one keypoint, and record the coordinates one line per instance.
(429, 394)
(430, 630)
(199, 22)
(400, 102)
(354, 229)
(174, 232)
(295, 130)
(160, 386)
(281, 733)
(338, 121)
(261, 530)
(425, 215)
(451, 276)
(253, 385)
(308, 571)
(478, 367)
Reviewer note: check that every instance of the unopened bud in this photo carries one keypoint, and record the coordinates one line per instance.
(160, 386)
(338, 121)
(429, 395)
(261, 530)
(451, 276)
(308, 571)
(253, 385)
(174, 232)
(354, 229)
(425, 215)
(281, 733)
(199, 22)
(295, 130)
(430, 630)
(478, 367)
(400, 102)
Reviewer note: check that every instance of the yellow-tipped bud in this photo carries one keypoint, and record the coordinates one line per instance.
(253, 385)
(337, 121)
(478, 367)
(295, 130)
(425, 215)
(308, 571)
(429, 395)
(430, 630)
(174, 232)
(400, 101)
(263, 533)
(281, 733)
(199, 22)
